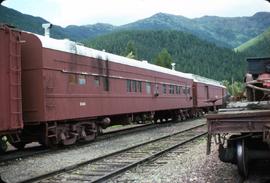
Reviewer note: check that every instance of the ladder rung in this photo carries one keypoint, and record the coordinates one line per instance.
(16, 98)
(15, 70)
(14, 55)
(16, 112)
(15, 84)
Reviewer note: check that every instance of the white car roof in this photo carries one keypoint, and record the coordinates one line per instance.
(68, 46)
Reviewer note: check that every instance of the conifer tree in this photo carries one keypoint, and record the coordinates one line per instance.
(164, 59)
(130, 51)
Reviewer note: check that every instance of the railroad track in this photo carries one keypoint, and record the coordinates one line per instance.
(38, 150)
(105, 167)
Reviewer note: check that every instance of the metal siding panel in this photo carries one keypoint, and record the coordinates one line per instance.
(238, 121)
(63, 100)
(32, 79)
(202, 95)
(214, 91)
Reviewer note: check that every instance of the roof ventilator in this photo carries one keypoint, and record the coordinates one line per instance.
(173, 66)
(47, 28)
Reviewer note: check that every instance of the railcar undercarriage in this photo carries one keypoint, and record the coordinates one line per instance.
(243, 131)
(242, 135)
(69, 132)
(51, 134)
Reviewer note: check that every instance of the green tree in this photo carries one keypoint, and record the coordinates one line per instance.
(164, 59)
(235, 88)
(190, 54)
(130, 51)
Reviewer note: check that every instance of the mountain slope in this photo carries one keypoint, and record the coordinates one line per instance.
(88, 31)
(33, 24)
(235, 30)
(163, 21)
(229, 32)
(258, 46)
(225, 32)
(188, 52)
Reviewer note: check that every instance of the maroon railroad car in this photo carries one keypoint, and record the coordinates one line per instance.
(206, 92)
(69, 89)
(10, 82)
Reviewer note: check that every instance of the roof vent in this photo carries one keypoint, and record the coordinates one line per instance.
(173, 66)
(47, 28)
(144, 61)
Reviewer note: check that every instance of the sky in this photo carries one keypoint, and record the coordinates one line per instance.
(119, 12)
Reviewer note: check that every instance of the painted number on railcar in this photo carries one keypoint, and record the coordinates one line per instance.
(82, 103)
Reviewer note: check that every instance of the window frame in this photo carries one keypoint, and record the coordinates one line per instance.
(139, 85)
(164, 88)
(128, 85)
(171, 89)
(148, 87)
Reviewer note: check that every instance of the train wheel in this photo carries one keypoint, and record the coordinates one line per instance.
(242, 158)
(91, 131)
(155, 120)
(3, 145)
(68, 138)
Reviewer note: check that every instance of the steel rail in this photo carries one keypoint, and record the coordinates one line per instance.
(112, 174)
(38, 150)
(102, 178)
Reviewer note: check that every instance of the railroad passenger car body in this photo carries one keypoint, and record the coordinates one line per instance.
(206, 92)
(64, 81)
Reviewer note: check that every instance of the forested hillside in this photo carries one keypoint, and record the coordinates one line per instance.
(223, 31)
(188, 52)
(258, 46)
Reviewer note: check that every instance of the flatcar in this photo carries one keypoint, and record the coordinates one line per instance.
(243, 131)
(62, 92)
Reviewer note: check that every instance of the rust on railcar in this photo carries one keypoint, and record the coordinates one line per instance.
(10, 80)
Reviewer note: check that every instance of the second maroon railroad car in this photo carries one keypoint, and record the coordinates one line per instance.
(207, 91)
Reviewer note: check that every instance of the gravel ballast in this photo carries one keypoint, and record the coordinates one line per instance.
(190, 165)
(22, 169)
